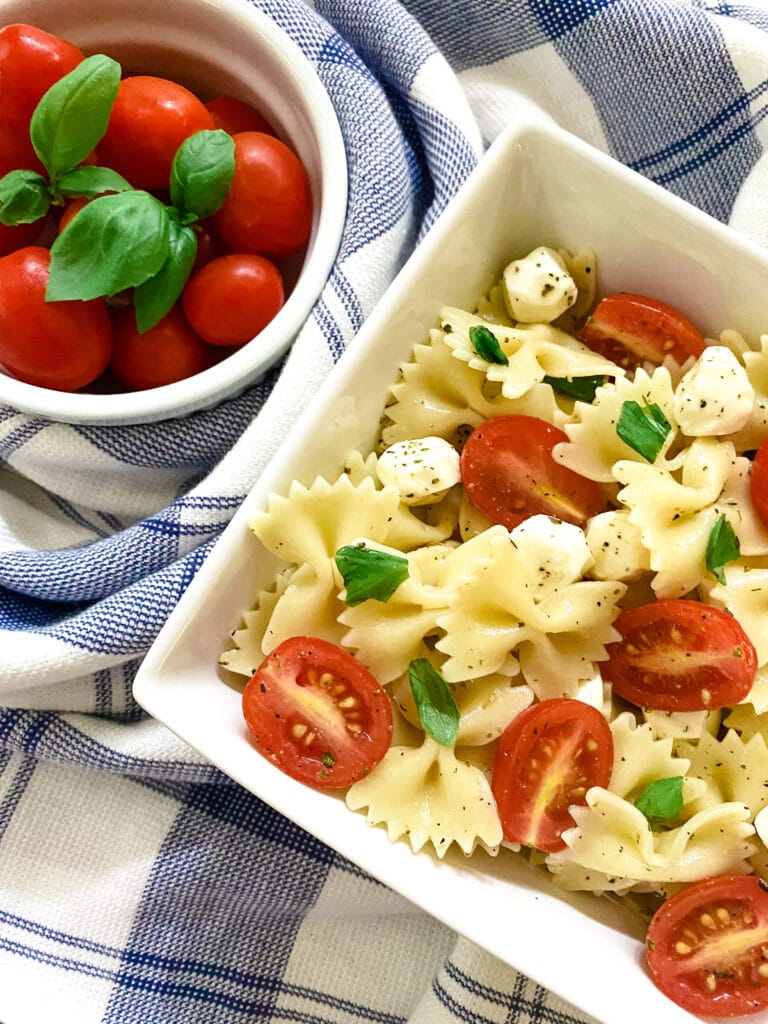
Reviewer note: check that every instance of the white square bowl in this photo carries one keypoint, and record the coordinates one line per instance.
(537, 185)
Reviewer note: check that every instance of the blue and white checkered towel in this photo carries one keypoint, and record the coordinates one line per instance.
(137, 884)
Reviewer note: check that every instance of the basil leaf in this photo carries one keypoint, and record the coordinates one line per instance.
(91, 181)
(201, 174)
(582, 388)
(154, 297)
(722, 547)
(114, 242)
(24, 197)
(369, 573)
(662, 800)
(438, 713)
(486, 344)
(643, 427)
(72, 116)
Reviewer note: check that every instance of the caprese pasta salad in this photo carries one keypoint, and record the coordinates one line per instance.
(535, 617)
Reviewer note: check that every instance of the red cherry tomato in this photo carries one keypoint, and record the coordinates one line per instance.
(758, 482)
(168, 352)
(31, 60)
(150, 119)
(547, 759)
(19, 236)
(680, 655)
(317, 713)
(508, 473)
(268, 210)
(73, 207)
(706, 946)
(57, 345)
(232, 298)
(632, 329)
(233, 115)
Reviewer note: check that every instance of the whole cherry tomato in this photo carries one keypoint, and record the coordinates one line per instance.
(31, 60)
(233, 298)
(168, 352)
(58, 345)
(269, 206)
(150, 119)
(233, 115)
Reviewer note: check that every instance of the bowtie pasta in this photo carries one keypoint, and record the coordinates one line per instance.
(491, 613)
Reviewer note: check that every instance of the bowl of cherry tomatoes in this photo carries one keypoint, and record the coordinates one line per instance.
(173, 189)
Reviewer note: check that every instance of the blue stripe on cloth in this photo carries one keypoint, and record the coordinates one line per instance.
(20, 771)
(698, 84)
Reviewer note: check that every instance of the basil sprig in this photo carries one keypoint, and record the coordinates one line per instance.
(438, 712)
(66, 125)
(582, 388)
(487, 346)
(644, 428)
(662, 801)
(722, 547)
(370, 574)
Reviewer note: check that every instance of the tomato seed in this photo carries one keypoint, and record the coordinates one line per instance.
(707, 920)
(682, 948)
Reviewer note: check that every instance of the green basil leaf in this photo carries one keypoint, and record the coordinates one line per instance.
(438, 713)
(722, 547)
(114, 242)
(72, 116)
(582, 388)
(201, 174)
(486, 344)
(662, 800)
(24, 197)
(369, 573)
(91, 181)
(644, 428)
(154, 297)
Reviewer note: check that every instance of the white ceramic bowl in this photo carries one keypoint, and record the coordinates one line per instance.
(213, 47)
(536, 185)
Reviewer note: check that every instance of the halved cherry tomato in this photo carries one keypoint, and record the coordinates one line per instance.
(268, 210)
(508, 473)
(317, 713)
(233, 115)
(547, 759)
(632, 329)
(758, 482)
(680, 655)
(150, 119)
(706, 946)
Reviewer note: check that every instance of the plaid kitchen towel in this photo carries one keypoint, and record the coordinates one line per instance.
(137, 884)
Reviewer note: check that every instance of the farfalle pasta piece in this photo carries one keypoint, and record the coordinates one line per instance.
(675, 517)
(430, 796)
(312, 523)
(686, 725)
(593, 446)
(746, 597)
(387, 636)
(493, 608)
(732, 768)
(247, 652)
(639, 758)
(438, 394)
(735, 503)
(533, 352)
(614, 847)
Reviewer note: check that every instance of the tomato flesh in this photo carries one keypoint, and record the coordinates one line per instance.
(508, 473)
(317, 713)
(707, 946)
(680, 655)
(632, 329)
(547, 759)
